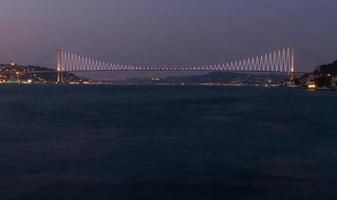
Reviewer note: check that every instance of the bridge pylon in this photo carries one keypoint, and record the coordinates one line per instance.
(60, 67)
(292, 64)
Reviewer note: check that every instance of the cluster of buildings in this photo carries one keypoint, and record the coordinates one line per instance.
(23, 74)
(319, 81)
(12, 73)
(323, 77)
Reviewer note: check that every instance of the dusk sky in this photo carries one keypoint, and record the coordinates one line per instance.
(170, 32)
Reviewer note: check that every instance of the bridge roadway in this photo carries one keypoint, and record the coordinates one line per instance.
(154, 70)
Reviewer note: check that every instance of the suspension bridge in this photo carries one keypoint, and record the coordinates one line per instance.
(280, 61)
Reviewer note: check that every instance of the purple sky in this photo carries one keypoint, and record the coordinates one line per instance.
(171, 32)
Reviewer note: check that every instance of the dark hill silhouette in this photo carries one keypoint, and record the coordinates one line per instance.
(327, 69)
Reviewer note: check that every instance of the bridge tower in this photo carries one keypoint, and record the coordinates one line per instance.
(60, 67)
(292, 64)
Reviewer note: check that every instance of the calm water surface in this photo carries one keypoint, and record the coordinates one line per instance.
(144, 143)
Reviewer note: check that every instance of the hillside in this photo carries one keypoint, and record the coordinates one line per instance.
(217, 78)
(327, 69)
(32, 74)
(324, 76)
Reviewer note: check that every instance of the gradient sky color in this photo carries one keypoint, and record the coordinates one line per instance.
(174, 32)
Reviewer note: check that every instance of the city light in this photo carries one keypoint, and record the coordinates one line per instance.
(312, 86)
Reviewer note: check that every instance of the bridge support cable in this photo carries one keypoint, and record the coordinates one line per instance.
(281, 61)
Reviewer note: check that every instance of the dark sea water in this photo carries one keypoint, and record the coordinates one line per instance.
(160, 143)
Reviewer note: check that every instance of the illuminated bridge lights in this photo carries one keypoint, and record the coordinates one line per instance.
(282, 61)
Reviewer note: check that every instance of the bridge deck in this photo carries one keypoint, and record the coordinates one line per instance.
(154, 70)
